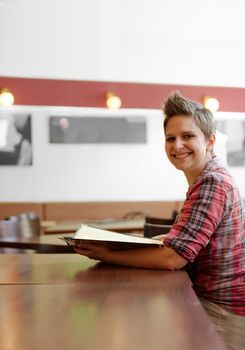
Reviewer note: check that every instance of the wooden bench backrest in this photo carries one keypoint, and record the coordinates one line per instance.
(102, 210)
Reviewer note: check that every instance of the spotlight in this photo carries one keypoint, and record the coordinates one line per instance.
(6, 98)
(112, 101)
(211, 103)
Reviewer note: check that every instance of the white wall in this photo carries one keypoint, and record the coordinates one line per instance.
(191, 42)
(91, 172)
(80, 172)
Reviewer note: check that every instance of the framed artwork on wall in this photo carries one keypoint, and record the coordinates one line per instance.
(15, 139)
(234, 129)
(93, 130)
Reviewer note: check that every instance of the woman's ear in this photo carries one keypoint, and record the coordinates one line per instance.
(211, 143)
(213, 139)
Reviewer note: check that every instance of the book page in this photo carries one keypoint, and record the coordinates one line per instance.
(91, 233)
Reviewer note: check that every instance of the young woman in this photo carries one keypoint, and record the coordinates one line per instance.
(208, 239)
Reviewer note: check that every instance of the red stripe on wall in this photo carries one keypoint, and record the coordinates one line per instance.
(54, 92)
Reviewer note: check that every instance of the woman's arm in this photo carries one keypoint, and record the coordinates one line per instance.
(152, 258)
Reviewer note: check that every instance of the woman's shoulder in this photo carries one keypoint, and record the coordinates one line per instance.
(216, 179)
(216, 171)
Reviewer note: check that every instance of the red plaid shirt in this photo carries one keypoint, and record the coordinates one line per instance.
(210, 234)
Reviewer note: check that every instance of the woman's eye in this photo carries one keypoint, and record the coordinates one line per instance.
(170, 139)
(187, 137)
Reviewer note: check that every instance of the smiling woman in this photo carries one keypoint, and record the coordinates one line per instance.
(209, 232)
(208, 237)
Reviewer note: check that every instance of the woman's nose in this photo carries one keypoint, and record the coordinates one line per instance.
(178, 143)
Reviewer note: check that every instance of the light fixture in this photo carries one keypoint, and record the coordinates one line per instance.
(211, 103)
(112, 101)
(6, 98)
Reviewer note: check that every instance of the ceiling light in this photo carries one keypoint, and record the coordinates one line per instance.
(113, 101)
(211, 103)
(6, 98)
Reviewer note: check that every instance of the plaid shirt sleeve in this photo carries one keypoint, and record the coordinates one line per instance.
(201, 214)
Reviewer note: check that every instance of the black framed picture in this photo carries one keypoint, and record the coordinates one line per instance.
(234, 129)
(15, 139)
(92, 129)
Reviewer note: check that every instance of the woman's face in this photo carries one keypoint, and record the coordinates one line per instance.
(186, 146)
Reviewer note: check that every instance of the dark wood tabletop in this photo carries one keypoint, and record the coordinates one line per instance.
(39, 244)
(58, 301)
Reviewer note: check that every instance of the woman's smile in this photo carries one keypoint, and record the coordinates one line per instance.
(181, 155)
(186, 146)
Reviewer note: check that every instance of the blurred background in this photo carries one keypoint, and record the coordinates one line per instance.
(63, 58)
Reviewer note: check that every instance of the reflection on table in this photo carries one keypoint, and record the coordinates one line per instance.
(70, 302)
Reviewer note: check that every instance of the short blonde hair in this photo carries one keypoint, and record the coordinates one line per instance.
(176, 104)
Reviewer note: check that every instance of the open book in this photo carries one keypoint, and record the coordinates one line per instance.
(114, 240)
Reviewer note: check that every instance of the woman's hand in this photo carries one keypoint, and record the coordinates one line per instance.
(94, 251)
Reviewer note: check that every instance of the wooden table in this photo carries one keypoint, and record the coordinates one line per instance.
(39, 244)
(70, 302)
(49, 242)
